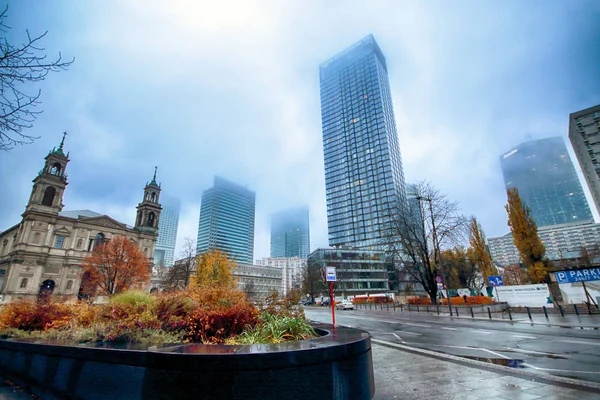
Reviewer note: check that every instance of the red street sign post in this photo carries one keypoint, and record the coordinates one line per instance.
(330, 277)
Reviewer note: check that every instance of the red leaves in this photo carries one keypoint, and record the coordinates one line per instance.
(214, 326)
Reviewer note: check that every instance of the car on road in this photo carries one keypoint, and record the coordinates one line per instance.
(344, 305)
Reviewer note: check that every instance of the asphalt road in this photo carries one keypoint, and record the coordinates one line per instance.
(573, 353)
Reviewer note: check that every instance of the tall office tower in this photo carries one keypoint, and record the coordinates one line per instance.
(584, 133)
(164, 252)
(363, 166)
(544, 174)
(227, 221)
(290, 235)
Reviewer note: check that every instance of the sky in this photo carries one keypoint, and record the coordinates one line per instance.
(231, 88)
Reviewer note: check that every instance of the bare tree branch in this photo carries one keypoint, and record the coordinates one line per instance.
(20, 66)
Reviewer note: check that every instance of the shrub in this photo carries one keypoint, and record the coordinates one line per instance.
(419, 300)
(172, 310)
(276, 305)
(276, 329)
(215, 326)
(29, 315)
(213, 297)
(479, 300)
(133, 297)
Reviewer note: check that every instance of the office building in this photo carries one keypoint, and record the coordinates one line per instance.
(584, 133)
(227, 221)
(291, 270)
(164, 252)
(548, 184)
(363, 166)
(257, 281)
(358, 271)
(290, 235)
(561, 241)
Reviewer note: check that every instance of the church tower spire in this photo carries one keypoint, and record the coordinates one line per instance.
(50, 183)
(148, 211)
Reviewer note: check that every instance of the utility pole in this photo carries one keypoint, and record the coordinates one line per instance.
(436, 248)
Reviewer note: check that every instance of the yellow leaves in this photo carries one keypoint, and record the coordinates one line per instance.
(538, 273)
(214, 269)
(524, 230)
(478, 251)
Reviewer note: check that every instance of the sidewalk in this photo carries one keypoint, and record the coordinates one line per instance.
(402, 372)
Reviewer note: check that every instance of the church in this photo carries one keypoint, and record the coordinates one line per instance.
(45, 251)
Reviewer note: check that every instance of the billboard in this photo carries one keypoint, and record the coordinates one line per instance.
(524, 295)
(572, 276)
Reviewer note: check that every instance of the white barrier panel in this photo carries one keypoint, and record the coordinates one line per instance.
(573, 293)
(524, 295)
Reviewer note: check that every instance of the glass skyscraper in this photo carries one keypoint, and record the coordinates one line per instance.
(290, 235)
(227, 221)
(167, 231)
(363, 166)
(548, 184)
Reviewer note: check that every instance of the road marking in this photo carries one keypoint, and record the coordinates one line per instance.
(410, 333)
(525, 337)
(484, 332)
(560, 370)
(419, 325)
(399, 338)
(580, 342)
(449, 329)
(494, 353)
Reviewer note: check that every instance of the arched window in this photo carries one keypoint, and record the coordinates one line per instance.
(47, 288)
(139, 219)
(79, 243)
(23, 283)
(99, 240)
(153, 197)
(56, 169)
(151, 218)
(49, 194)
(69, 285)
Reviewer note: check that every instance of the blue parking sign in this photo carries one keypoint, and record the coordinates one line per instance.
(495, 280)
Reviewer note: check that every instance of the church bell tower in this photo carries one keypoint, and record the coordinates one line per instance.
(50, 183)
(148, 211)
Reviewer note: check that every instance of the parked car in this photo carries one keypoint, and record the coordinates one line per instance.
(344, 305)
(325, 303)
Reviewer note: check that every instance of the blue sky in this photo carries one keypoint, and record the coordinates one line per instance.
(231, 88)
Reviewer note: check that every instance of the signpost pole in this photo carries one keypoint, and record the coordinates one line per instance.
(332, 302)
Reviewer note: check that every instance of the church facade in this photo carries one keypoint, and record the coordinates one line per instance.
(45, 251)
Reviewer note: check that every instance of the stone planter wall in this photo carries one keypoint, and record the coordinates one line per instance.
(337, 365)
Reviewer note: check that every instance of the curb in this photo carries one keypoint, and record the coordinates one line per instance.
(568, 383)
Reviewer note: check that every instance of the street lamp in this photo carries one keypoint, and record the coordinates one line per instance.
(437, 246)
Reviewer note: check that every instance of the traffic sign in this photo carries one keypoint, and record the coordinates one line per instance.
(330, 274)
(438, 279)
(495, 280)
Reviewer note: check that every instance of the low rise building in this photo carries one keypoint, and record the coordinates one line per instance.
(358, 271)
(561, 241)
(291, 270)
(257, 281)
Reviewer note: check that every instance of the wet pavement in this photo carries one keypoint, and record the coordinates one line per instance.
(404, 375)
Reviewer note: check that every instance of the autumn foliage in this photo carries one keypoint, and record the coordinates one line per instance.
(117, 266)
(525, 237)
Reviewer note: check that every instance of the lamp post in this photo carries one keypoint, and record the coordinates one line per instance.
(436, 247)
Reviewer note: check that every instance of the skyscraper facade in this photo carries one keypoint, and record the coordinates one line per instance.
(363, 166)
(290, 235)
(227, 221)
(584, 133)
(548, 184)
(164, 252)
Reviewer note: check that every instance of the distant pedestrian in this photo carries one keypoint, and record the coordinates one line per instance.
(465, 298)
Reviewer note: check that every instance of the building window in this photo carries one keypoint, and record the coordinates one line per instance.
(59, 242)
(69, 285)
(23, 283)
(79, 243)
(49, 194)
(99, 240)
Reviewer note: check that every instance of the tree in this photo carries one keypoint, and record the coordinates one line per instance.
(178, 276)
(20, 66)
(514, 275)
(525, 237)
(215, 269)
(461, 270)
(478, 252)
(117, 266)
(312, 279)
(413, 240)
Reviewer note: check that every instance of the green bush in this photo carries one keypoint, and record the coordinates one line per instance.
(274, 328)
(133, 297)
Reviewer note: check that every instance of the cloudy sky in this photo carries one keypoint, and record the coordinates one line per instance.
(231, 88)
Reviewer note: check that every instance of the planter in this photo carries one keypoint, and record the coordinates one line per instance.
(337, 365)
